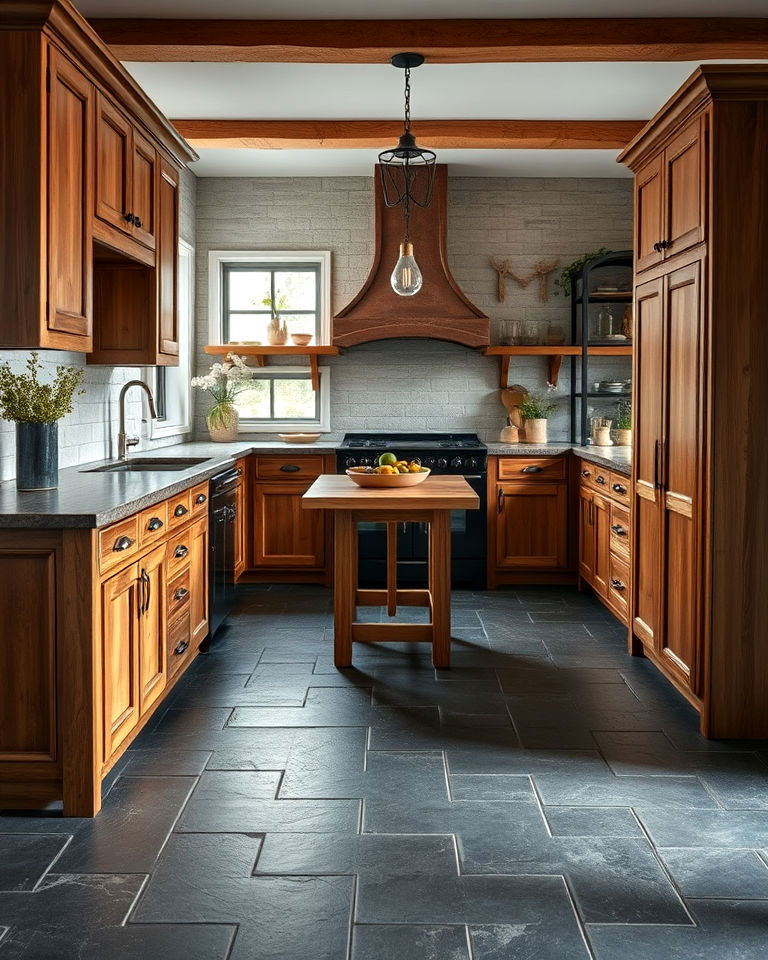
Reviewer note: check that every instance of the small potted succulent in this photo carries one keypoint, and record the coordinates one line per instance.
(535, 411)
(623, 427)
(224, 381)
(36, 408)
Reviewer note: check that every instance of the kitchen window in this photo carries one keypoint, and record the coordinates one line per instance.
(280, 397)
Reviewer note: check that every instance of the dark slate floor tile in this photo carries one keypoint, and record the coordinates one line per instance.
(25, 858)
(401, 942)
(732, 929)
(592, 822)
(244, 814)
(717, 874)
(491, 787)
(678, 827)
(165, 763)
(130, 831)
(528, 941)
(669, 793)
(67, 909)
(191, 720)
(192, 941)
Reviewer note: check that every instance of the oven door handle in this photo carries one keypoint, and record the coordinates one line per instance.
(472, 476)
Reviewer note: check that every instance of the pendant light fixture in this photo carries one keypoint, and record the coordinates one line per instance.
(407, 178)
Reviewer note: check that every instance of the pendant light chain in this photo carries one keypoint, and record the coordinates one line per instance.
(407, 99)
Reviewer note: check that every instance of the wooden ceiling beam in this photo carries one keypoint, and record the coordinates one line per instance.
(438, 134)
(441, 41)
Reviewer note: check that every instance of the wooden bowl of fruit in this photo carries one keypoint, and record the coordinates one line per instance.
(389, 472)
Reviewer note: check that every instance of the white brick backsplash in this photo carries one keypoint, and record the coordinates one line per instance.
(423, 384)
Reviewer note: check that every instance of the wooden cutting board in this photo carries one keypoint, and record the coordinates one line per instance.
(512, 397)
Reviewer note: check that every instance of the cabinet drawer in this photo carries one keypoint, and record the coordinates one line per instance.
(178, 592)
(153, 523)
(531, 468)
(179, 509)
(619, 530)
(598, 478)
(287, 468)
(179, 549)
(199, 497)
(618, 585)
(179, 643)
(118, 543)
(620, 487)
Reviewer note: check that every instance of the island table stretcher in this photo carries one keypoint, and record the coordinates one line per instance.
(430, 502)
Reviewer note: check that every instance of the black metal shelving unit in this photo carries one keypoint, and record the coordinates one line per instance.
(583, 296)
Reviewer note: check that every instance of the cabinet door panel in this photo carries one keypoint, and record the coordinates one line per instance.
(285, 535)
(113, 165)
(586, 535)
(601, 519)
(120, 654)
(168, 260)
(649, 213)
(682, 452)
(683, 190)
(198, 581)
(144, 187)
(648, 401)
(531, 525)
(70, 189)
(152, 617)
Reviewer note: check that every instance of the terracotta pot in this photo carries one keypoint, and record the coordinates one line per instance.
(624, 438)
(223, 423)
(536, 430)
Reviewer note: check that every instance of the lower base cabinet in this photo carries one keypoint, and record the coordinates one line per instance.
(98, 625)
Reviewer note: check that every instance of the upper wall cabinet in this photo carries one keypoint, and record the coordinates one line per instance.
(88, 196)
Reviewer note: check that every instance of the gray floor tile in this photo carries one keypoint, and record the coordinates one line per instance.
(528, 941)
(705, 828)
(164, 763)
(592, 822)
(491, 787)
(26, 857)
(401, 942)
(669, 793)
(717, 874)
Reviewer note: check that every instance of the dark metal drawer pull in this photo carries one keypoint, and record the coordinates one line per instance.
(290, 468)
(122, 543)
(181, 551)
(532, 469)
(201, 498)
(180, 510)
(619, 530)
(600, 479)
(586, 473)
(619, 488)
(618, 585)
(181, 593)
(154, 524)
(500, 501)
(178, 650)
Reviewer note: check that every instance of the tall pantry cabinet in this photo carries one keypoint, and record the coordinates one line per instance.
(700, 459)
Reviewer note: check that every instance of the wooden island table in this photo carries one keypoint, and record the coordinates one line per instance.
(429, 502)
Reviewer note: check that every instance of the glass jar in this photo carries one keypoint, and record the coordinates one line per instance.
(530, 333)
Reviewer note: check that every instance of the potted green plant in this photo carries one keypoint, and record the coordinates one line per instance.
(224, 381)
(623, 426)
(36, 408)
(569, 273)
(277, 330)
(535, 411)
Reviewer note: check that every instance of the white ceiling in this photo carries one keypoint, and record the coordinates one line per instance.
(417, 9)
(359, 163)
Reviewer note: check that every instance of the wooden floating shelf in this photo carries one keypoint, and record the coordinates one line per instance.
(554, 353)
(261, 352)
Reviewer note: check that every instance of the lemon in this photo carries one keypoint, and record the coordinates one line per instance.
(387, 460)
(387, 469)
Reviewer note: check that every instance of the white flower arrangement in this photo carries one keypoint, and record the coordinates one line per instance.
(223, 382)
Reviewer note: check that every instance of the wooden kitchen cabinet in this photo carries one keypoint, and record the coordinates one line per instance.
(89, 150)
(698, 605)
(120, 658)
(604, 529)
(198, 581)
(242, 519)
(528, 529)
(152, 627)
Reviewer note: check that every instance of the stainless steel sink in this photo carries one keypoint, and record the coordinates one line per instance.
(149, 465)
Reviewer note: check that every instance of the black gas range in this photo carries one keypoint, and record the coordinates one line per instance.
(457, 454)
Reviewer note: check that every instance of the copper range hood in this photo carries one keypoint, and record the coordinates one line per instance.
(439, 311)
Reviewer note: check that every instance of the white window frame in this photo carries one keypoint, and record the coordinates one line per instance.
(217, 259)
(322, 424)
(178, 388)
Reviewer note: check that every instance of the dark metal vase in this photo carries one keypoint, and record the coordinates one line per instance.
(37, 456)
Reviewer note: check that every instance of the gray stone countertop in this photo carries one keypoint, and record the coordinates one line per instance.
(84, 500)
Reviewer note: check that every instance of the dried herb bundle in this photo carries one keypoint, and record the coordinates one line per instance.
(24, 399)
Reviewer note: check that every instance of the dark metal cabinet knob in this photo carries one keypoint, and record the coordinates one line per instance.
(154, 524)
(618, 585)
(180, 551)
(600, 479)
(201, 498)
(619, 530)
(180, 648)
(619, 488)
(180, 510)
(137, 222)
(181, 593)
(586, 473)
(122, 543)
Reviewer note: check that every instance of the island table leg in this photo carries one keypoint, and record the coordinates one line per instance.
(440, 586)
(344, 586)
